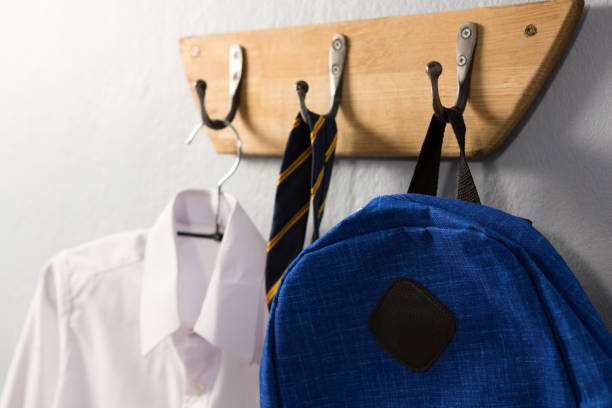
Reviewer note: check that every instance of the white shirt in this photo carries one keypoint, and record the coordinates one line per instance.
(148, 318)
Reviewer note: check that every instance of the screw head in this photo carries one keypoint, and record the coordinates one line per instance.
(235, 76)
(236, 54)
(335, 69)
(466, 33)
(531, 30)
(461, 60)
(337, 44)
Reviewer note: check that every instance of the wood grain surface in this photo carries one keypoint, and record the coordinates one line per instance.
(386, 96)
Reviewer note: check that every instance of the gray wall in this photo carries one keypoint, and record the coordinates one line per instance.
(94, 108)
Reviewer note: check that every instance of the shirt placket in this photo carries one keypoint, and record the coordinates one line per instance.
(199, 376)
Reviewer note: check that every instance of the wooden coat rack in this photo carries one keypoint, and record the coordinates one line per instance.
(386, 95)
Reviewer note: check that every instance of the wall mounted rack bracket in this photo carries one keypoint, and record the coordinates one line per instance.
(386, 94)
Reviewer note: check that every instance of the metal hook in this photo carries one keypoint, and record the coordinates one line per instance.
(466, 45)
(218, 235)
(227, 175)
(234, 167)
(235, 80)
(337, 59)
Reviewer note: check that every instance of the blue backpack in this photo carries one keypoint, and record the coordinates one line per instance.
(420, 301)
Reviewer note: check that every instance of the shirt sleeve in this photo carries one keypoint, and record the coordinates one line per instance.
(33, 375)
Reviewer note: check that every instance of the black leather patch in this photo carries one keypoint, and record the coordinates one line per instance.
(411, 324)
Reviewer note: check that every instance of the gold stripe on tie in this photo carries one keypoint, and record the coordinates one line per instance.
(273, 289)
(296, 123)
(320, 210)
(288, 226)
(315, 129)
(293, 166)
(317, 183)
(331, 148)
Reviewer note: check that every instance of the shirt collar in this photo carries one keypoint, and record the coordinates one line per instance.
(232, 316)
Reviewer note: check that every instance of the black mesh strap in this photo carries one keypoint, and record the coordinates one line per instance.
(466, 188)
(425, 176)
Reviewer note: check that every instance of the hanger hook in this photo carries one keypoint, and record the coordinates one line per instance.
(234, 167)
(337, 59)
(466, 46)
(227, 175)
(236, 59)
(218, 234)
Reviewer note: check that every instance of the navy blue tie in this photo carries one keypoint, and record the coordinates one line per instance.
(304, 178)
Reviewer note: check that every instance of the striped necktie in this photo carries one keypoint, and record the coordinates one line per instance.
(304, 177)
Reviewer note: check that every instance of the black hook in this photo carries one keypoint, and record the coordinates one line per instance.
(466, 45)
(235, 78)
(301, 87)
(337, 58)
(217, 124)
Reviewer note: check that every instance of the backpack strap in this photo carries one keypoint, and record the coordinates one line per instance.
(305, 175)
(425, 176)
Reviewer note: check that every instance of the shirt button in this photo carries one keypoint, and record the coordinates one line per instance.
(199, 388)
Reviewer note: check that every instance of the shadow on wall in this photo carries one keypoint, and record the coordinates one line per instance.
(559, 152)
